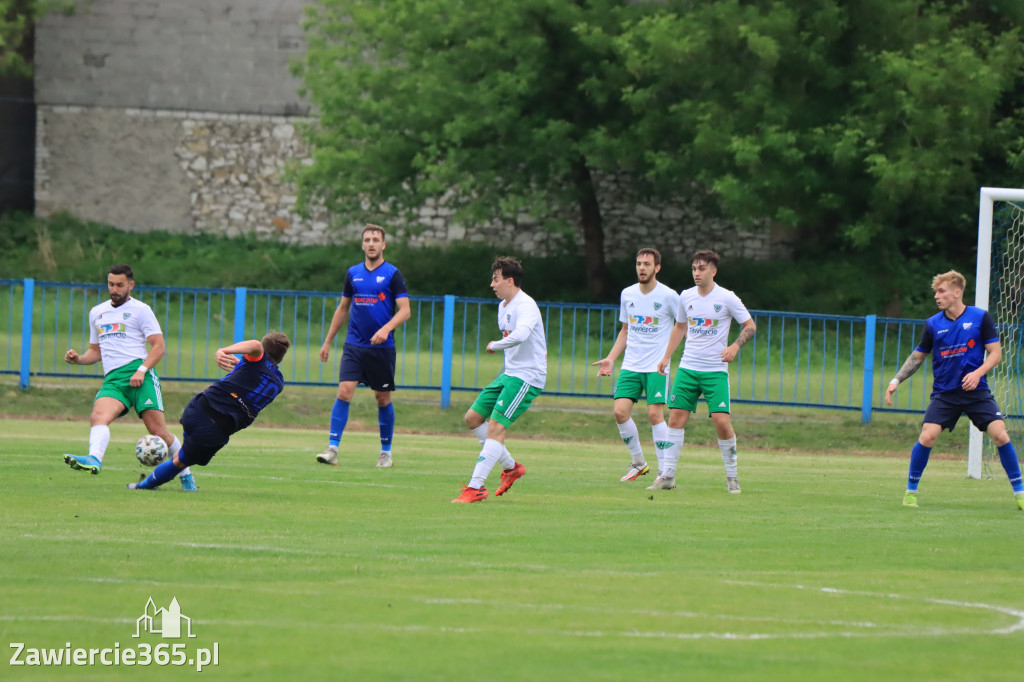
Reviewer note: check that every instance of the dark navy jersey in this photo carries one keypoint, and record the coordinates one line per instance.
(957, 346)
(246, 389)
(373, 294)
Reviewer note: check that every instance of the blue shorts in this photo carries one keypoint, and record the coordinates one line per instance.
(979, 406)
(204, 431)
(373, 367)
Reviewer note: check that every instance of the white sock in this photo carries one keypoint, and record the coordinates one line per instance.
(631, 437)
(675, 437)
(659, 432)
(489, 456)
(505, 460)
(99, 439)
(729, 456)
(172, 450)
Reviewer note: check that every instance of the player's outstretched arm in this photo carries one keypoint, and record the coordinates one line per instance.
(403, 312)
(225, 356)
(337, 321)
(89, 357)
(674, 339)
(912, 364)
(606, 364)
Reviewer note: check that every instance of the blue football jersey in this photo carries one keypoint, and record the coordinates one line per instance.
(246, 389)
(373, 294)
(957, 346)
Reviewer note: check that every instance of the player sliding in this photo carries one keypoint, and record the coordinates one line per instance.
(119, 330)
(227, 406)
(648, 312)
(958, 336)
(706, 312)
(509, 396)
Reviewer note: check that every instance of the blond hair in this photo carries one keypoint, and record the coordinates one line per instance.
(952, 278)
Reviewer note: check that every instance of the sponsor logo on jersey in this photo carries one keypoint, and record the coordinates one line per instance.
(702, 322)
(644, 320)
(366, 300)
(111, 328)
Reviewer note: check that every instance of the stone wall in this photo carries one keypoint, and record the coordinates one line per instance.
(181, 115)
(188, 172)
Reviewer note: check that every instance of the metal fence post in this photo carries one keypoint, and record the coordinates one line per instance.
(239, 331)
(447, 341)
(27, 297)
(869, 368)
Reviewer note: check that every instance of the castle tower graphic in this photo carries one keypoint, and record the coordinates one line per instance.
(164, 622)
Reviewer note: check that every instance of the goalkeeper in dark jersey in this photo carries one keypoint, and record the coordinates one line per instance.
(227, 406)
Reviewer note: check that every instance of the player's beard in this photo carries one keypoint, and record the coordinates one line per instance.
(117, 300)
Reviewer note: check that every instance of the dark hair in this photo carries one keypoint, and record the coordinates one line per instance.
(370, 227)
(275, 345)
(509, 267)
(122, 269)
(651, 252)
(708, 256)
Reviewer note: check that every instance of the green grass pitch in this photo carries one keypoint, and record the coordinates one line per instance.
(301, 571)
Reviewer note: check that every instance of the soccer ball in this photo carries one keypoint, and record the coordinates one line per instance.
(151, 450)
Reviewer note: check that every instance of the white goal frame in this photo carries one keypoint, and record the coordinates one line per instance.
(989, 195)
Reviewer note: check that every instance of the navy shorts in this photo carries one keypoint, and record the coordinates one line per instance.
(979, 406)
(374, 367)
(204, 431)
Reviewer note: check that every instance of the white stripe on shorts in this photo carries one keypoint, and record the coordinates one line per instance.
(511, 409)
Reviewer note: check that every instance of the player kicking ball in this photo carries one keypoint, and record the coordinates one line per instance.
(227, 406)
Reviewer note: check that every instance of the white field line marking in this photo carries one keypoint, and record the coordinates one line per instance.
(878, 630)
(191, 545)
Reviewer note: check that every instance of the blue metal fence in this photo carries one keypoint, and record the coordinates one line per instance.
(795, 359)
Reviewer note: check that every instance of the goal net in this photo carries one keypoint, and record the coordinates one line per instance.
(1000, 290)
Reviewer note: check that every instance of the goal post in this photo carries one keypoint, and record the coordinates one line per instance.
(999, 288)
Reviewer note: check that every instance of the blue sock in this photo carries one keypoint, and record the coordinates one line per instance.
(339, 418)
(918, 461)
(164, 472)
(386, 422)
(1008, 457)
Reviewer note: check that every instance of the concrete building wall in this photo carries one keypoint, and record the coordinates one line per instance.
(182, 115)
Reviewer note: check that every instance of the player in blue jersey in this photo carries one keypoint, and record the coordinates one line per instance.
(227, 406)
(964, 345)
(374, 302)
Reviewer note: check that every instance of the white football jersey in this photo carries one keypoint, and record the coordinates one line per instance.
(708, 319)
(121, 332)
(649, 319)
(523, 340)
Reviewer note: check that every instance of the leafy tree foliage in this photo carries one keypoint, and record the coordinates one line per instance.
(497, 108)
(868, 124)
(865, 126)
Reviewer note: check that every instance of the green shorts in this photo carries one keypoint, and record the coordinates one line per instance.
(117, 385)
(689, 385)
(505, 399)
(632, 385)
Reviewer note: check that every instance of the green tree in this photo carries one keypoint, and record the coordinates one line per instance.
(17, 21)
(865, 125)
(494, 108)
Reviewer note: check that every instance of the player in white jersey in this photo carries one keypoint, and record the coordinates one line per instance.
(119, 330)
(647, 311)
(509, 396)
(706, 312)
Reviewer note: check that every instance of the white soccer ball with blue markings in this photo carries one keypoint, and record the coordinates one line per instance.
(151, 450)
